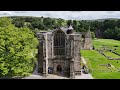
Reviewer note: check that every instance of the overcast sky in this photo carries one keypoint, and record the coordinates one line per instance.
(78, 15)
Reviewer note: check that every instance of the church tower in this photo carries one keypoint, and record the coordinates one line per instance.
(88, 40)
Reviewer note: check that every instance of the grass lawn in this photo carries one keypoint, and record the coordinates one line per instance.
(96, 61)
(107, 43)
(110, 54)
(117, 50)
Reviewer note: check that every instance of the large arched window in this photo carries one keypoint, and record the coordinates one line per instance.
(59, 43)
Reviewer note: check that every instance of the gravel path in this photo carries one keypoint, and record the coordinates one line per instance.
(51, 76)
(84, 76)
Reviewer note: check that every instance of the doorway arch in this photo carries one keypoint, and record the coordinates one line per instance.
(59, 68)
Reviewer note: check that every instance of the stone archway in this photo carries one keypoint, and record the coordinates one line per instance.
(59, 68)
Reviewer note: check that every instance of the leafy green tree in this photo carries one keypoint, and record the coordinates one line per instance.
(116, 33)
(109, 24)
(93, 35)
(69, 22)
(108, 33)
(4, 22)
(17, 49)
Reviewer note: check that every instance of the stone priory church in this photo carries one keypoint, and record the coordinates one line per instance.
(59, 52)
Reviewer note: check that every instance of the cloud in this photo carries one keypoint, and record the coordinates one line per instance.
(81, 15)
(5, 13)
(78, 15)
(20, 11)
(97, 14)
(60, 14)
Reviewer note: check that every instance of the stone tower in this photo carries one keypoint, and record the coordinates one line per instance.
(59, 52)
(88, 40)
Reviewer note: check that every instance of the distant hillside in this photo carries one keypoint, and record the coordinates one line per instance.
(101, 20)
(63, 19)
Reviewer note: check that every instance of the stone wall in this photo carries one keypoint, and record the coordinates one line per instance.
(70, 63)
(88, 44)
(40, 53)
(49, 38)
(76, 50)
(65, 64)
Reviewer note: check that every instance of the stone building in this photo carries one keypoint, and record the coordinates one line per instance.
(59, 52)
(86, 41)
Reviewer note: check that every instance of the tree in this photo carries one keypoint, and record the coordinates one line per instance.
(69, 22)
(4, 22)
(93, 35)
(109, 24)
(75, 26)
(108, 33)
(17, 49)
(116, 33)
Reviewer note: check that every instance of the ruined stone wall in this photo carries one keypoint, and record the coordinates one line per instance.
(76, 50)
(43, 54)
(40, 53)
(88, 44)
(65, 64)
(68, 46)
(88, 41)
(75, 46)
(70, 61)
(49, 45)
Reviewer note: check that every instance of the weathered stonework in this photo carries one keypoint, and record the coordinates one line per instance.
(88, 41)
(59, 51)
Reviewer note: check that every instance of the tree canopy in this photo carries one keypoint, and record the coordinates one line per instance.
(17, 49)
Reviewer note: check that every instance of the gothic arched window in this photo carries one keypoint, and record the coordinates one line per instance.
(59, 43)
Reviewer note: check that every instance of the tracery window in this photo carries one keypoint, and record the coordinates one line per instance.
(59, 43)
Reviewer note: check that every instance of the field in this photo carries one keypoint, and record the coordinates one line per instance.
(98, 64)
(107, 43)
(110, 54)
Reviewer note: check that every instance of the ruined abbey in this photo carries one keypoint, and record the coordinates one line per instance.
(59, 51)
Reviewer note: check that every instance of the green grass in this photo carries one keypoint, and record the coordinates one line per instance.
(110, 54)
(117, 50)
(94, 60)
(107, 43)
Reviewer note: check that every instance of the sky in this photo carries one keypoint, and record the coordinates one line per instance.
(73, 15)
